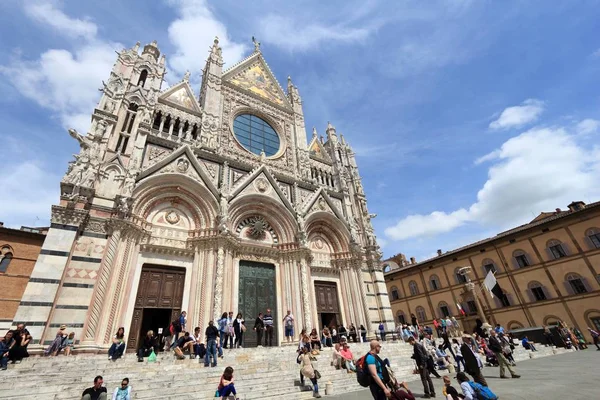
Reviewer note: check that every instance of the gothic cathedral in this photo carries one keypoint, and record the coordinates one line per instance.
(208, 204)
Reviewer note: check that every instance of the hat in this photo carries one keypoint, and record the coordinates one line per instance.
(63, 327)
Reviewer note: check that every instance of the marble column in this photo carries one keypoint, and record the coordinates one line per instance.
(218, 292)
(305, 295)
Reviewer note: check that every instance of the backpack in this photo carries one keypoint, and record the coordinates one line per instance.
(363, 375)
(482, 392)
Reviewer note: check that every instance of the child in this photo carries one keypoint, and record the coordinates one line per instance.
(449, 391)
(226, 383)
(69, 343)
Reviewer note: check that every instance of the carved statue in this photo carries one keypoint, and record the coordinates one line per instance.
(186, 76)
(109, 106)
(129, 184)
(256, 44)
(123, 207)
(223, 215)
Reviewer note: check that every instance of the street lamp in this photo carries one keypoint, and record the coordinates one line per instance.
(470, 287)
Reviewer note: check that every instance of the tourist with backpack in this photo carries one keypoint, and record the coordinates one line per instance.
(421, 358)
(473, 390)
(372, 373)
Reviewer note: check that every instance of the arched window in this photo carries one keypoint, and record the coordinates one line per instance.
(514, 325)
(421, 316)
(6, 256)
(157, 119)
(394, 293)
(460, 278)
(434, 282)
(386, 268)
(414, 289)
(551, 320)
(443, 309)
(593, 237)
(489, 265)
(556, 249)
(576, 284)
(126, 128)
(143, 76)
(536, 291)
(401, 317)
(520, 259)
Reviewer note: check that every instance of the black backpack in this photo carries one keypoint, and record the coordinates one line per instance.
(363, 375)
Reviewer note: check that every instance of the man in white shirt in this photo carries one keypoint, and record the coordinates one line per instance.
(288, 323)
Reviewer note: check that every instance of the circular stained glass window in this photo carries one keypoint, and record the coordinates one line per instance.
(256, 135)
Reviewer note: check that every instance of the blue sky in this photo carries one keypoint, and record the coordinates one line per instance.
(468, 117)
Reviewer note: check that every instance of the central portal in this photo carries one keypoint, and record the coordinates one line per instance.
(256, 294)
(328, 308)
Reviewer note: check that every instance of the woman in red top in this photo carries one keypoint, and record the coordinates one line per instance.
(226, 383)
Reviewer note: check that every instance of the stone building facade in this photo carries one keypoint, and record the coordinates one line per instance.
(549, 270)
(207, 204)
(19, 249)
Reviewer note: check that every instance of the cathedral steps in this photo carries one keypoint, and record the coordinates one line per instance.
(260, 373)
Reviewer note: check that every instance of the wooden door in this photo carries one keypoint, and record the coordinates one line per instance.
(159, 287)
(327, 299)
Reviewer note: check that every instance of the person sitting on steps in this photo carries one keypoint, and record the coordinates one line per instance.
(96, 392)
(347, 357)
(186, 342)
(118, 345)
(314, 339)
(226, 387)
(199, 348)
(5, 344)
(123, 392)
(147, 345)
(69, 343)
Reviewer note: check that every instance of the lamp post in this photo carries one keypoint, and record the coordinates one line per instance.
(470, 287)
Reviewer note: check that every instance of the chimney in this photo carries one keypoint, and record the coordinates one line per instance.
(412, 260)
(439, 252)
(558, 210)
(576, 206)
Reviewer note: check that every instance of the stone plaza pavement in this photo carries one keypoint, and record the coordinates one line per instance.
(572, 376)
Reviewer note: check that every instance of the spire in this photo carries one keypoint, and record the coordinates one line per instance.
(331, 135)
(216, 53)
(152, 50)
(136, 48)
(314, 132)
(186, 77)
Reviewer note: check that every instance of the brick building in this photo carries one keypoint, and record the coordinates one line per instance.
(549, 271)
(19, 249)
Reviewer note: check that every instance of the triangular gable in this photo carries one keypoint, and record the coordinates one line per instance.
(181, 95)
(173, 164)
(317, 151)
(254, 76)
(262, 172)
(136, 91)
(322, 202)
(116, 159)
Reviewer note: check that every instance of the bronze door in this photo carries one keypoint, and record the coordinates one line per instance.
(256, 294)
(327, 303)
(160, 288)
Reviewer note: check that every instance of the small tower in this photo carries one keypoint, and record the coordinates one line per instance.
(210, 93)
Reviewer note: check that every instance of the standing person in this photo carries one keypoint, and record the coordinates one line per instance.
(438, 327)
(456, 326)
(268, 321)
(496, 346)
(147, 345)
(222, 322)
(183, 321)
(307, 370)
(96, 392)
(382, 331)
(288, 323)
(259, 327)
(123, 392)
(342, 332)
(443, 325)
(334, 335)
(118, 345)
(379, 376)
(226, 387)
(548, 336)
(421, 357)
(450, 327)
(458, 355)
(239, 328)
(5, 344)
(352, 332)
(595, 337)
(414, 322)
(363, 333)
(212, 343)
(57, 343)
(473, 364)
(230, 331)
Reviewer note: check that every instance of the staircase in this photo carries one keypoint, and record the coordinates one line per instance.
(260, 373)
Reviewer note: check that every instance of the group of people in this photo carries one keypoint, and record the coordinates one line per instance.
(333, 335)
(13, 346)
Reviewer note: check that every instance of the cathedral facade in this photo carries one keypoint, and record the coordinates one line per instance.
(204, 203)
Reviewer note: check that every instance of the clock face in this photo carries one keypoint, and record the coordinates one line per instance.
(256, 135)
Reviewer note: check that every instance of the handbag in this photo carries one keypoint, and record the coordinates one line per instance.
(243, 328)
(317, 374)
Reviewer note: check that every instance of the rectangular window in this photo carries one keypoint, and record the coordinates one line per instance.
(558, 251)
(522, 261)
(595, 240)
(538, 293)
(578, 286)
(504, 301)
(472, 307)
(445, 311)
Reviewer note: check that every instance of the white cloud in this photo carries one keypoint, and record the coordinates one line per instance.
(193, 33)
(539, 170)
(46, 13)
(63, 81)
(588, 126)
(32, 190)
(517, 116)
(291, 34)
